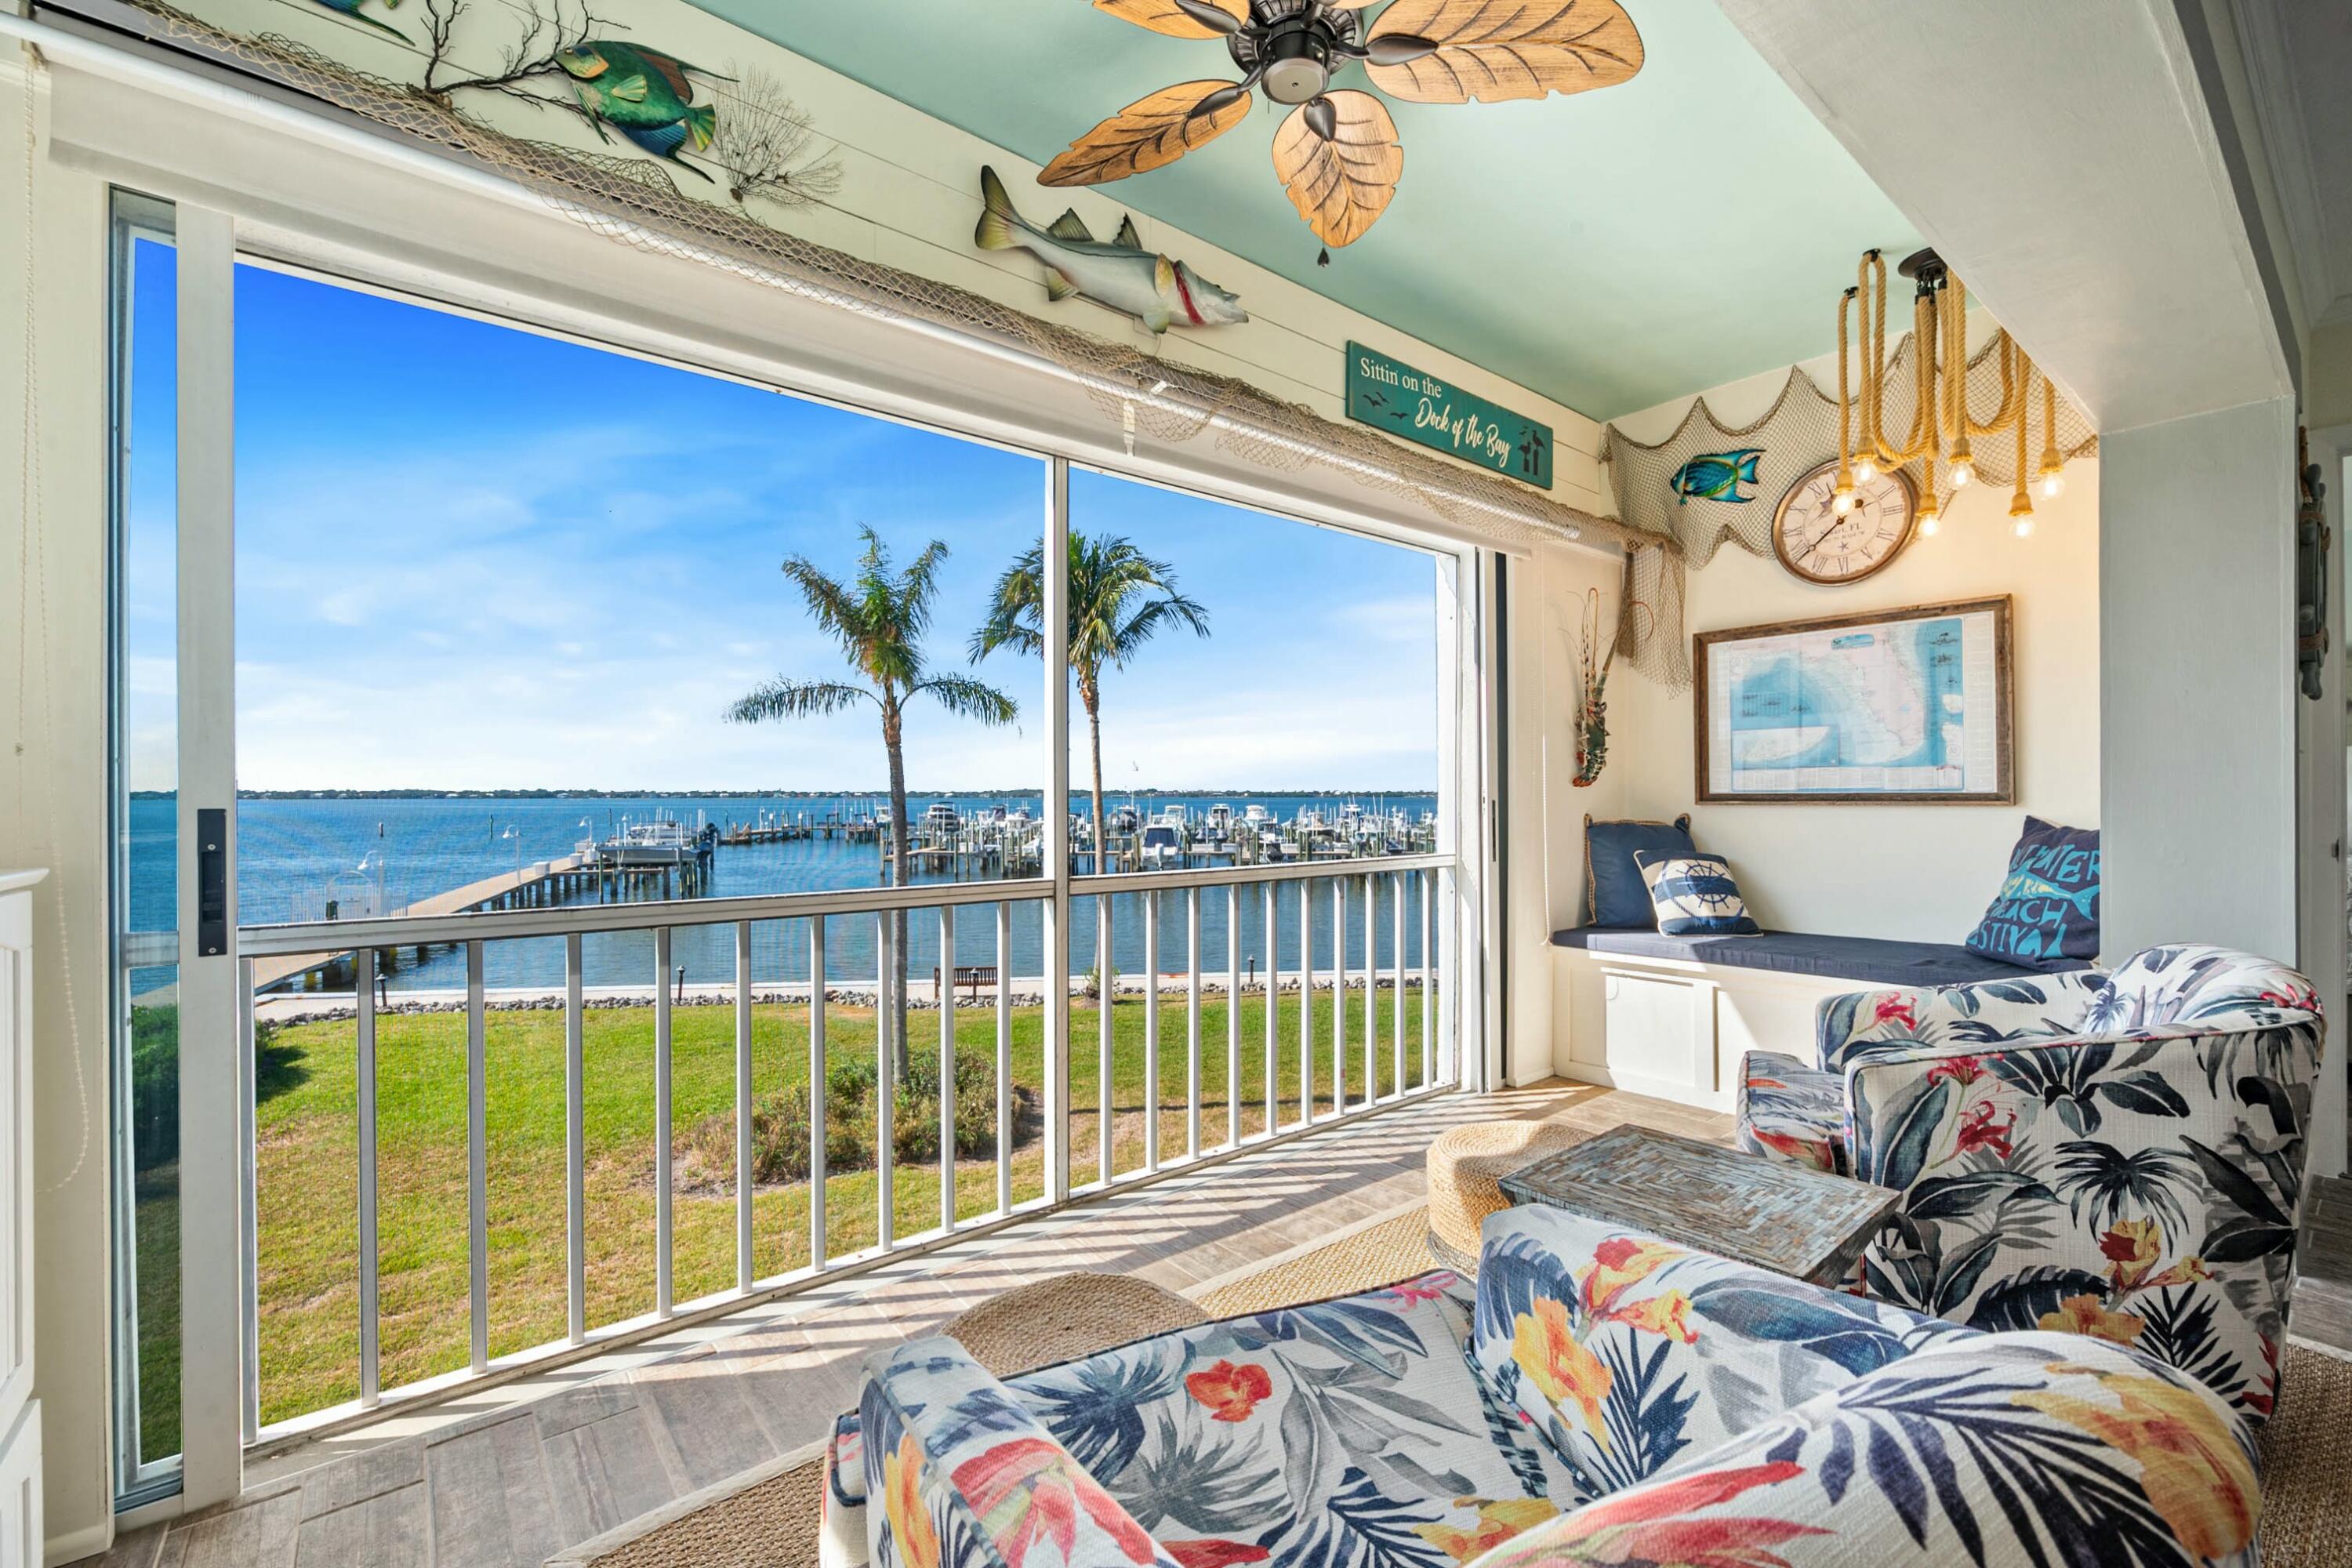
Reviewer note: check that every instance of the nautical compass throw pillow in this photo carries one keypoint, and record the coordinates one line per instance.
(1693, 894)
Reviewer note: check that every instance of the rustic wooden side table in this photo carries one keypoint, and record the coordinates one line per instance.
(1793, 1221)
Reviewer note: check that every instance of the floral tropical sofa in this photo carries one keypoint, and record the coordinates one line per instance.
(2117, 1154)
(1600, 1397)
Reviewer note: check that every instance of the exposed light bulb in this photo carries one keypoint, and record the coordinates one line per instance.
(1927, 525)
(1842, 504)
(2052, 484)
(1962, 472)
(1865, 472)
(2024, 528)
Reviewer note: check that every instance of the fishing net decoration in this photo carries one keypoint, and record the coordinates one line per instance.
(634, 202)
(1797, 434)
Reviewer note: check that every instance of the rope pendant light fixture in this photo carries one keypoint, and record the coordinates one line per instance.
(1943, 423)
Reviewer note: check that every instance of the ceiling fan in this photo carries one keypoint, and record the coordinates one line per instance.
(1336, 154)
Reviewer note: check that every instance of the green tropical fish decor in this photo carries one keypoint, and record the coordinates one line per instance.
(643, 94)
(1716, 475)
(351, 9)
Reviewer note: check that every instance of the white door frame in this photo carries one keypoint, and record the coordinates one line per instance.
(213, 1072)
(2322, 831)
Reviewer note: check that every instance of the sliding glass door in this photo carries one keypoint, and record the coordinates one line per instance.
(601, 842)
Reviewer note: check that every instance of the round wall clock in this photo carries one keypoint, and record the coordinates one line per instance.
(1815, 543)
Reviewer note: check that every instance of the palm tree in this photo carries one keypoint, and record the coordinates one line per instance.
(879, 619)
(1119, 599)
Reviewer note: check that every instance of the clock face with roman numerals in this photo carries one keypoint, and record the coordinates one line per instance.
(1820, 546)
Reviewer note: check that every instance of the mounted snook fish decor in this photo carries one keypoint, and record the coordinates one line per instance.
(1123, 275)
(643, 94)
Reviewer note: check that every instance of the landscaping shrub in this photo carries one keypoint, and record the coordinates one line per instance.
(705, 1152)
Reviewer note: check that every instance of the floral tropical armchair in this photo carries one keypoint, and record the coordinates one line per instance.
(1601, 1397)
(2120, 1155)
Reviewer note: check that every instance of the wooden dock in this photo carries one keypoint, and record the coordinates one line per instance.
(541, 885)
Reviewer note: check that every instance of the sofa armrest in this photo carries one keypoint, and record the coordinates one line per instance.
(2022, 1448)
(1953, 1018)
(953, 1459)
(1625, 1351)
(2140, 1188)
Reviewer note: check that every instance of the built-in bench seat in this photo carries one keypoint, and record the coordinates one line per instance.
(1873, 960)
(1671, 1015)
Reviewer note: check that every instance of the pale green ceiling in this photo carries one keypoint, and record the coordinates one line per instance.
(1610, 249)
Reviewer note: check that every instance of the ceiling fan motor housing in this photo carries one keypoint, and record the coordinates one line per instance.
(1289, 46)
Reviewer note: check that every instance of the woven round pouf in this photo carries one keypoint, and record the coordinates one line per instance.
(1049, 1322)
(1466, 1167)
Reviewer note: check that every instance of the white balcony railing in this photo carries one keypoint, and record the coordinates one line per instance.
(1298, 930)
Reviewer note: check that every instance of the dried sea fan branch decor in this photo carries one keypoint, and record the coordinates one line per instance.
(768, 148)
(532, 54)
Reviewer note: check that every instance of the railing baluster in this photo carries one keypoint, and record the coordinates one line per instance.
(478, 1176)
(1396, 970)
(743, 1106)
(1004, 1057)
(947, 1067)
(886, 1087)
(575, 1148)
(248, 1210)
(817, 1113)
(1371, 991)
(1272, 1019)
(1339, 996)
(1106, 972)
(1151, 1031)
(1306, 1001)
(370, 1355)
(1233, 1017)
(1428, 979)
(1192, 1023)
(665, 1251)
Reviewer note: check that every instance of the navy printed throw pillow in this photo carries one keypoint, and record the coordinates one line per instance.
(2046, 915)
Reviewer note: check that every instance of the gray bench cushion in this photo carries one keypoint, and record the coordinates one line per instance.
(1870, 960)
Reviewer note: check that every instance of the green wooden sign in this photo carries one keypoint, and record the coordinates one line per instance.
(1418, 407)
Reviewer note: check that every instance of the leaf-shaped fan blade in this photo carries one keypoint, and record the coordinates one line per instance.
(1497, 49)
(1167, 16)
(1150, 132)
(1342, 184)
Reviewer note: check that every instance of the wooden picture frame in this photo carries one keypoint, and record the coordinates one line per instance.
(1985, 773)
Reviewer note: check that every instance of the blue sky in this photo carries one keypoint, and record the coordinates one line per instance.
(472, 557)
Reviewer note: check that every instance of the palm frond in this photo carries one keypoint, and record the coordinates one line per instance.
(918, 585)
(969, 699)
(1015, 609)
(782, 699)
(829, 603)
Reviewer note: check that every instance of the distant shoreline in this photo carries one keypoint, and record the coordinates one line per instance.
(1031, 791)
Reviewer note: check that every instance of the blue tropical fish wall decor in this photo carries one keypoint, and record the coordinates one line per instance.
(351, 9)
(645, 95)
(1716, 475)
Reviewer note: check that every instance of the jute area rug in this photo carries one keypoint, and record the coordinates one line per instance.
(772, 1522)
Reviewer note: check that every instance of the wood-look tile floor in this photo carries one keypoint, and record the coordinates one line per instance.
(506, 1478)
(509, 1478)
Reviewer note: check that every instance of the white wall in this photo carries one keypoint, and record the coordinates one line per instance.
(2197, 654)
(52, 811)
(1923, 873)
(1546, 810)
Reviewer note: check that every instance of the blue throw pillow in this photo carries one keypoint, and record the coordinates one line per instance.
(1614, 893)
(2046, 915)
(1693, 894)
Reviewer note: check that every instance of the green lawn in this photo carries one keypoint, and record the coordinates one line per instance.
(308, 1159)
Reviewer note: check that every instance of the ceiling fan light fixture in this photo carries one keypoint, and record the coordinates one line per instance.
(1295, 60)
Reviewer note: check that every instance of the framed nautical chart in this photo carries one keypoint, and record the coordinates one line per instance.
(1891, 706)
